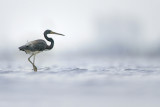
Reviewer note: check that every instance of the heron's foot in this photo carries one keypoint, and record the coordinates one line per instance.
(34, 68)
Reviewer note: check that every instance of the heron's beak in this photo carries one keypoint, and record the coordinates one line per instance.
(57, 33)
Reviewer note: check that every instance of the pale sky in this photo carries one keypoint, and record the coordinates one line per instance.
(26, 20)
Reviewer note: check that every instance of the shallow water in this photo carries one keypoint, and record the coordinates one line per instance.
(81, 83)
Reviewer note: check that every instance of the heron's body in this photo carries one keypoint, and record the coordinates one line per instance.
(37, 46)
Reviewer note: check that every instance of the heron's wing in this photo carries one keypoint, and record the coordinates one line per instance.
(37, 45)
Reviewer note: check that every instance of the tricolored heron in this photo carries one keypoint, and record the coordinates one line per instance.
(36, 46)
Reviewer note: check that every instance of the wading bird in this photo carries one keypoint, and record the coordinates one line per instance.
(37, 46)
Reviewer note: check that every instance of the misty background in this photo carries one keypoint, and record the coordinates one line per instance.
(80, 71)
(92, 27)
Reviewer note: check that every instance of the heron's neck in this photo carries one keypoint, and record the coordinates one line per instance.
(50, 40)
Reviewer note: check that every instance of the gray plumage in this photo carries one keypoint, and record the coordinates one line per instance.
(34, 46)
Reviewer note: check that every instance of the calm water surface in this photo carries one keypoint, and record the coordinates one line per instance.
(81, 83)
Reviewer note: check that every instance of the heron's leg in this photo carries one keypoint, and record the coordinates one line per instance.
(34, 67)
(30, 58)
(34, 58)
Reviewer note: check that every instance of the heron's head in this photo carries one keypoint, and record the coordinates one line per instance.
(51, 32)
